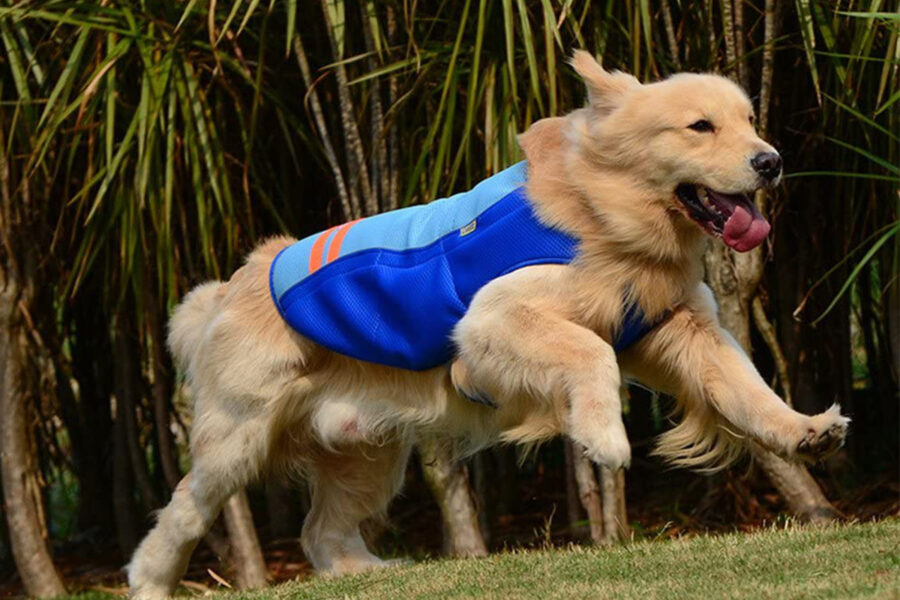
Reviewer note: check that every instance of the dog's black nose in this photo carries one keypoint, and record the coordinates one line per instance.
(767, 164)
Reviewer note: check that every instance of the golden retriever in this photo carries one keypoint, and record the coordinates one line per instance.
(639, 176)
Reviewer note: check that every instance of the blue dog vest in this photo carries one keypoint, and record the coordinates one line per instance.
(389, 289)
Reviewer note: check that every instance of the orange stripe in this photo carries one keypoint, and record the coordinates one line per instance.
(315, 255)
(335, 248)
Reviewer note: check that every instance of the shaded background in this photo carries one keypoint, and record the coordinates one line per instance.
(147, 146)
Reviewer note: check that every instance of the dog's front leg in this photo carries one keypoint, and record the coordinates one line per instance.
(514, 346)
(691, 357)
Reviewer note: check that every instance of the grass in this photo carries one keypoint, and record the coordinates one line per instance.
(848, 561)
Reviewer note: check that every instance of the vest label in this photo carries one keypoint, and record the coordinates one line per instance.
(467, 229)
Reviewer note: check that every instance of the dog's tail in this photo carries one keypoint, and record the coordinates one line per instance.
(190, 321)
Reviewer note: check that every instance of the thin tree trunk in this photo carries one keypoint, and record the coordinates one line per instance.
(670, 34)
(379, 164)
(359, 171)
(349, 199)
(768, 66)
(621, 505)
(709, 6)
(743, 68)
(574, 513)
(801, 492)
(589, 492)
(246, 555)
(767, 331)
(734, 277)
(393, 197)
(448, 480)
(615, 519)
(20, 485)
(20, 488)
(728, 30)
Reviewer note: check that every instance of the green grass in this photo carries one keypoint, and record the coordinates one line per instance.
(858, 561)
(843, 562)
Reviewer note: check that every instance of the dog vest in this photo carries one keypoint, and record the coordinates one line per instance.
(389, 289)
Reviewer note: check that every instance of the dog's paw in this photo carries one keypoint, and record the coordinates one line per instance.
(824, 437)
(610, 448)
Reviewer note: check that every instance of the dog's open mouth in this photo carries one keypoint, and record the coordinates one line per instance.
(733, 217)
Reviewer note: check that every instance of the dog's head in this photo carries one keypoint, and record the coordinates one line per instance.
(689, 140)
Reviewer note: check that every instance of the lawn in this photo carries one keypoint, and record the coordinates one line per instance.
(848, 561)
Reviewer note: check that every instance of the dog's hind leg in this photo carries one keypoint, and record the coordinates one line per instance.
(349, 486)
(226, 455)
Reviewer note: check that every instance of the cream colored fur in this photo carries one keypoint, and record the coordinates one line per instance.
(536, 341)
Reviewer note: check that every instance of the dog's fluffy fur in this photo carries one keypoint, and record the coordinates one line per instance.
(535, 341)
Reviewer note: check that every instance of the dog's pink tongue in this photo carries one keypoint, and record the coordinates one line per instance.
(745, 230)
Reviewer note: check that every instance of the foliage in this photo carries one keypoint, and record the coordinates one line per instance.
(142, 121)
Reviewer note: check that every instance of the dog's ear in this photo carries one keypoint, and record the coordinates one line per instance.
(605, 89)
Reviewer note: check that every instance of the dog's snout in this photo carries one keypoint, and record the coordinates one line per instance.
(767, 164)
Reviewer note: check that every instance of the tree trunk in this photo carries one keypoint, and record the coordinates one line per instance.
(615, 519)
(348, 196)
(801, 492)
(621, 506)
(577, 529)
(20, 485)
(734, 277)
(588, 491)
(448, 480)
(353, 147)
(246, 555)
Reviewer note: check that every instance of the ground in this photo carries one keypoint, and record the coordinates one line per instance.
(859, 560)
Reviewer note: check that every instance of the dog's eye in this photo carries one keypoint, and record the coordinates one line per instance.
(702, 125)
(752, 120)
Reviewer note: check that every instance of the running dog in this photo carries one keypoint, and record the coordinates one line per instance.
(508, 314)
